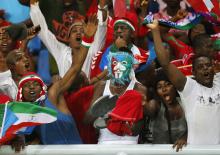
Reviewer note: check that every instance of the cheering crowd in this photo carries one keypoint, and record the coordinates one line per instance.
(115, 72)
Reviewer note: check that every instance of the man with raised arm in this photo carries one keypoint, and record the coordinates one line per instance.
(200, 96)
(61, 52)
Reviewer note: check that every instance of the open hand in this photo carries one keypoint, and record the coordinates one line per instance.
(91, 26)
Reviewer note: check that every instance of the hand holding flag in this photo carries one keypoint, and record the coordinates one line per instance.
(17, 116)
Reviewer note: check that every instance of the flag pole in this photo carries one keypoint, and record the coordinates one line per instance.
(3, 122)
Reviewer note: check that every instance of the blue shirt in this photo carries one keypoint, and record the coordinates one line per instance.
(62, 131)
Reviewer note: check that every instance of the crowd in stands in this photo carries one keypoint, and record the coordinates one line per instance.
(116, 72)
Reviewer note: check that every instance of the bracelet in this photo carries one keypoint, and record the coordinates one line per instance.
(87, 42)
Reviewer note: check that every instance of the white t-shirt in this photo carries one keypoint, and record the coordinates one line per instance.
(202, 111)
(7, 85)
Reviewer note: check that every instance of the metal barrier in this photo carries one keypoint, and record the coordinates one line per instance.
(112, 150)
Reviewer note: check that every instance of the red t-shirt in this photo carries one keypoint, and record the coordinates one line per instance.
(78, 104)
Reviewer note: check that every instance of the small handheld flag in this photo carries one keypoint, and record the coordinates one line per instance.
(15, 117)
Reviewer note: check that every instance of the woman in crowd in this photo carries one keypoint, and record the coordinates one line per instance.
(168, 124)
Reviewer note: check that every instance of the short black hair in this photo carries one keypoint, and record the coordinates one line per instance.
(10, 58)
(17, 31)
(199, 40)
(161, 76)
(196, 57)
(209, 29)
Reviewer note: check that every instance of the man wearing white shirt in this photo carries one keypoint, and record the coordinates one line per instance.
(62, 53)
(200, 96)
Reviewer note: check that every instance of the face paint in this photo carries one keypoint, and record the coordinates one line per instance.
(120, 65)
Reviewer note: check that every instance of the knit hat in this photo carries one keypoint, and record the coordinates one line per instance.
(31, 76)
(130, 20)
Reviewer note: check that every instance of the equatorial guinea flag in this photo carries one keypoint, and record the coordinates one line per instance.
(206, 6)
(15, 116)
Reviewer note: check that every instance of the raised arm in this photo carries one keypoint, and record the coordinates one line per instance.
(99, 77)
(179, 15)
(48, 38)
(31, 33)
(175, 76)
(100, 37)
(62, 85)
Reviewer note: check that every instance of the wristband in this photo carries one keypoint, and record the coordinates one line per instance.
(87, 42)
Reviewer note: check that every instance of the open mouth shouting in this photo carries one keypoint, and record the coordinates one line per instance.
(78, 39)
(167, 97)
